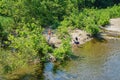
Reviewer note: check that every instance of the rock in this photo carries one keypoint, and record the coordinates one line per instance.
(82, 36)
(114, 25)
(52, 58)
(112, 30)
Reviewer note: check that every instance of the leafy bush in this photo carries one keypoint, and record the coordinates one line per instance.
(21, 21)
(64, 50)
(114, 11)
(29, 41)
(27, 45)
(104, 18)
(91, 19)
(10, 61)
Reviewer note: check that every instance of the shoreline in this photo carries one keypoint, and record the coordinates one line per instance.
(82, 36)
(114, 25)
(112, 31)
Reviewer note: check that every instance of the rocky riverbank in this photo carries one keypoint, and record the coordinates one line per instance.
(112, 31)
(114, 25)
(80, 34)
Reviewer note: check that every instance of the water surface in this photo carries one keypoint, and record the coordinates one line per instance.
(96, 60)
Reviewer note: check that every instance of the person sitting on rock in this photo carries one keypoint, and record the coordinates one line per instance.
(76, 42)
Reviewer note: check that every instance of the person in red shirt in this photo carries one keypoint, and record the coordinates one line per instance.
(49, 35)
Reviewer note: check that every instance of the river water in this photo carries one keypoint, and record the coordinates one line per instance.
(95, 60)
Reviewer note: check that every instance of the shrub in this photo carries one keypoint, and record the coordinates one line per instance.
(64, 50)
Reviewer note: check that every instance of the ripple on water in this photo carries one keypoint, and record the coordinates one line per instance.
(101, 62)
(58, 75)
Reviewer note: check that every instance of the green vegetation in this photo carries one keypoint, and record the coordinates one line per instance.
(90, 19)
(23, 21)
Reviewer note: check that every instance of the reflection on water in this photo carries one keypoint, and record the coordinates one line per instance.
(58, 75)
(100, 61)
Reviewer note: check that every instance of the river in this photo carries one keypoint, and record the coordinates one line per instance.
(95, 60)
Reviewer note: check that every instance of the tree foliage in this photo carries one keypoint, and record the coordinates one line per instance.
(22, 23)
